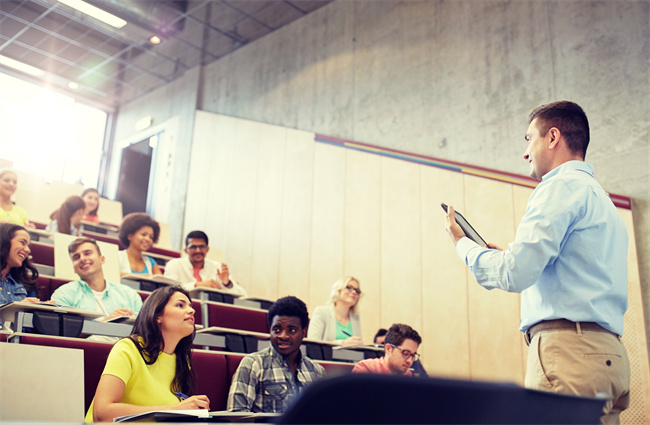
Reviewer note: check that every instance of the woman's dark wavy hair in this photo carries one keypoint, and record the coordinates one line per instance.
(62, 216)
(134, 222)
(148, 338)
(90, 189)
(26, 273)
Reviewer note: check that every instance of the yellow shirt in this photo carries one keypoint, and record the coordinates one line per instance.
(16, 215)
(145, 385)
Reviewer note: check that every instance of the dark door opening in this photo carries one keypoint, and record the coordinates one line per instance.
(133, 183)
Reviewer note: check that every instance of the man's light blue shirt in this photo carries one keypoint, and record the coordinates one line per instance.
(78, 294)
(569, 257)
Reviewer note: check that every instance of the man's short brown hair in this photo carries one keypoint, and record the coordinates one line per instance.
(75, 244)
(398, 332)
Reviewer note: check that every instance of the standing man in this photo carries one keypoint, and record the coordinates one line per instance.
(92, 292)
(195, 270)
(401, 350)
(568, 261)
(268, 380)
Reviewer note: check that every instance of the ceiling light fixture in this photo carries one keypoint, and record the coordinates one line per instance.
(73, 85)
(95, 12)
(154, 39)
(23, 67)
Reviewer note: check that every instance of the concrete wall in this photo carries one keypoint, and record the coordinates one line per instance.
(450, 79)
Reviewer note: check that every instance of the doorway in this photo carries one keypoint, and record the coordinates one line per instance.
(133, 181)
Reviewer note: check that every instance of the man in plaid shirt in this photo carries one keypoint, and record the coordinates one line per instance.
(267, 381)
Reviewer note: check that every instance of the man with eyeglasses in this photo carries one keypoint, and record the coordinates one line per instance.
(195, 270)
(400, 348)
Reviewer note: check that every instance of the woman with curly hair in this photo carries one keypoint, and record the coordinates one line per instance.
(17, 275)
(68, 217)
(151, 369)
(138, 233)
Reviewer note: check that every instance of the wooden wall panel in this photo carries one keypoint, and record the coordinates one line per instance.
(495, 342)
(242, 198)
(295, 245)
(326, 264)
(445, 338)
(520, 197)
(362, 236)
(268, 213)
(401, 272)
(634, 337)
(209, 183)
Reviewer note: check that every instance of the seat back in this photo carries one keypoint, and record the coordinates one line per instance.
(42, 254)
(434, 401)
(211, 372)
(234, 317)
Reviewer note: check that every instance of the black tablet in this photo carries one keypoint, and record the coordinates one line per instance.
(467, 228)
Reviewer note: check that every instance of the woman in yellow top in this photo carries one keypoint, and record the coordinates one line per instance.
(151, 368)
(10, 213)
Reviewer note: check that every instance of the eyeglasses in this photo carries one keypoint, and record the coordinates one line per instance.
(352, 288)
(406, 354)
(195, 247)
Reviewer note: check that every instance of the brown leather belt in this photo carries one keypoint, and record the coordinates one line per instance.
(557, 324)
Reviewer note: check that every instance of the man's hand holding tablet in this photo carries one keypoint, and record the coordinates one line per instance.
(457, 227)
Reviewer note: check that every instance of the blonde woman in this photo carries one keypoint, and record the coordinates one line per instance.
(338, 321)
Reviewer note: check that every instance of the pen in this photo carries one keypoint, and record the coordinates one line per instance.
(345, 333)
(182, 396)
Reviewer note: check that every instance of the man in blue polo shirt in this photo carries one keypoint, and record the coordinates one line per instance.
(92, 291)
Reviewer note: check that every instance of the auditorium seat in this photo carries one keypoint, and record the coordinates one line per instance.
(336, 368)
(43, 288)
(42, 254)
(211, 368)
(95, 355)
(233, 360)
(56, 284)
(434, 401)
(237, 317)
(211, 372)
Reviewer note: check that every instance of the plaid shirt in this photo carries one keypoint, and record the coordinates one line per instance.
(264, 382)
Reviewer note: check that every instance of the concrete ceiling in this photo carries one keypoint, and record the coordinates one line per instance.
(113, 66)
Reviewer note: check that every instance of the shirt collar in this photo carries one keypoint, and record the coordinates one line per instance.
(277, 357)
(569, 166)
(85, 285)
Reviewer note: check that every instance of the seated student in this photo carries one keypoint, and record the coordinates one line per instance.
(400, 348)
(138, 233)
(17, 275)
(380, 336)
(267, 381)
(151, 369)
(196, 270)
(68, 217)
(10, 213)
(92, 291)
(416, 367)
(338, 321)
(91, 200)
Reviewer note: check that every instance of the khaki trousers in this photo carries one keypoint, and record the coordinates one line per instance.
(583, 363)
